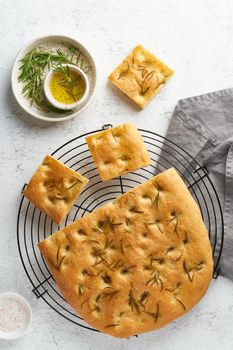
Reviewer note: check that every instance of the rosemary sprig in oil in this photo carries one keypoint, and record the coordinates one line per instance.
(68, 81)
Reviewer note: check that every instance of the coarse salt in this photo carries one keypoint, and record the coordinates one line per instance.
(12, 315)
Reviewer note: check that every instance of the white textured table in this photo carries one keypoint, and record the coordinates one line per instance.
(195, 38)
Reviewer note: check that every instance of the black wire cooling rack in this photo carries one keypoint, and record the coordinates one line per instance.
(34, 226)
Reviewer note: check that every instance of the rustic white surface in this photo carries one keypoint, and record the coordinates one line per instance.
(195, 38)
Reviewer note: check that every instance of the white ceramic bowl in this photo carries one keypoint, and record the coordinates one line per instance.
(22, 330)
(17, 86)
(60, 105)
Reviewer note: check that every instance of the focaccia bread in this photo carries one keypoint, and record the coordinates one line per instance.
(118, 150)
(54, 188)
(137, 263)
(140, 76)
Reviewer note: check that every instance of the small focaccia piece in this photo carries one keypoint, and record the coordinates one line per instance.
(140, 76)
(135, 264)
(54, 188)
(118, 150)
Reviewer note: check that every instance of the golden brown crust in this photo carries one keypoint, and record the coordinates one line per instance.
(140, 76)
(118, 150)
(136, 264)
(54, 188)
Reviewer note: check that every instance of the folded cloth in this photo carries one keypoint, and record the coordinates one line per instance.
(203, 126)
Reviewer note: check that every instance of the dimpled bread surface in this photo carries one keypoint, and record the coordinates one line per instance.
(118, 150)
(141, 76)
(54, 188)
(137, 263)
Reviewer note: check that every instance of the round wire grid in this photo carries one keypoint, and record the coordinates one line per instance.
(34, 226)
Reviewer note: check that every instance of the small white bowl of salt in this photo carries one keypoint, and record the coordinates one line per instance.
(15, 316)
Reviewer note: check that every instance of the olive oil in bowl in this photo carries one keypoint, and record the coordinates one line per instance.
(66, 86)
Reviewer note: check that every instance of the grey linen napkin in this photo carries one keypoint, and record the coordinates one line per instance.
(203, 126)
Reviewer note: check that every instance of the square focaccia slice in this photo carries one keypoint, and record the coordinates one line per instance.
(137, 263)
(54, 188)
(141, 76)
(118, 150)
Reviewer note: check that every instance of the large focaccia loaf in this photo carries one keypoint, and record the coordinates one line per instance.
(137, 263)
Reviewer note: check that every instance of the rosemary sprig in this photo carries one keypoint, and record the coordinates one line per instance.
(174, 289)
(190, 271)
(90, 273)
(157, 223)
(155, 280)
(109, 244)
(58, 251)
(169, 249)
(113, 224)
(88, 241)
(136, 210)
(144, 298)
(124, 245)
(106, 278)
(185, 240)
(174, 220)
(97, 298)
(104, 225)
(144, 86)
(96, 308)
(76, 181)
(97, 229)
(98, 254)
(109, 293)
(115, 264)
(133, 302)
(178, 257)
(181, 303)
(77, 58)
(81, 232)
(84, 302)
(154, 258)
(68, 81)
(154, 315)
(112, 325)
(80, 289)
(128, 221)
(125, 72)
(157, 199)
(125, 157)
(126, 270)
(57, 188)
(59, 263)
